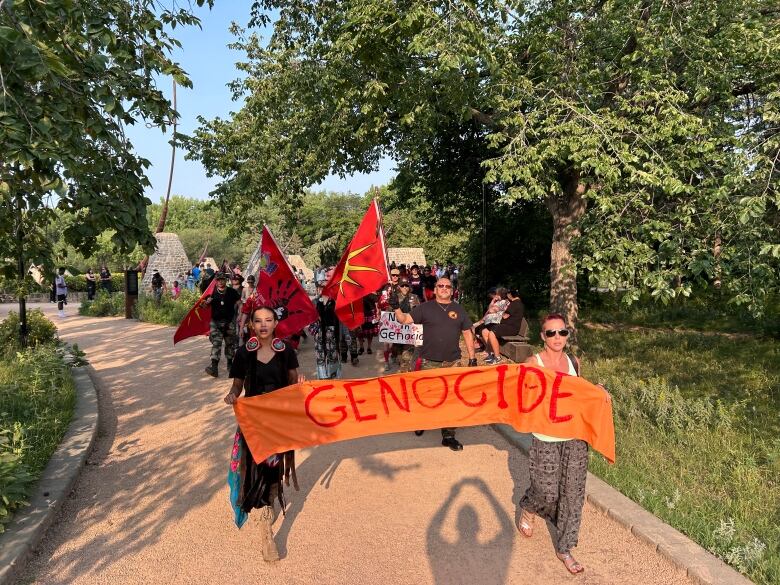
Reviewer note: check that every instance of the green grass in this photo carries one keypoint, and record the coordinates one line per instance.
(37, 397)
(697, 432)
(706, 312)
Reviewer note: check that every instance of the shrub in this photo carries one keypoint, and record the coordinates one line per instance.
(104, 305)
(168, 311)
(40, 330)
(37, 396)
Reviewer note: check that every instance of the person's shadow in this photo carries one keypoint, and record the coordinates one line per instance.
(467, 560)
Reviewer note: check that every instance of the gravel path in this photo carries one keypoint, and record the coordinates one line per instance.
(152, 504)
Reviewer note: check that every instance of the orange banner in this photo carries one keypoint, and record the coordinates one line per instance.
(529, 398)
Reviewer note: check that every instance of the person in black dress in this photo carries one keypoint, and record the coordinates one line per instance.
(262, 365)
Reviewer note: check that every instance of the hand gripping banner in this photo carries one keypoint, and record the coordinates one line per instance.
(529, 398)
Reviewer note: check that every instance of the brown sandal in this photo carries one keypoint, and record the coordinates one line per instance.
(526, 524)
(571, 564)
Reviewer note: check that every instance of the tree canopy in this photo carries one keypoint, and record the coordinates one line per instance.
(647, 130)
(72, 75)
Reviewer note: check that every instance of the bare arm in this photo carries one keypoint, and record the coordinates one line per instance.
(235, 391)
(468, 336)
(292, 376)
(403, 318)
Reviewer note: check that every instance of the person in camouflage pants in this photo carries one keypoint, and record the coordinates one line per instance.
(221, 332)
(223, 301)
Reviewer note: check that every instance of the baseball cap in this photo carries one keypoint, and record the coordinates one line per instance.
(220, 276)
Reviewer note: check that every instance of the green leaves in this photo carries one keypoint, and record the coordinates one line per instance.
(72, 74)
(668, 119)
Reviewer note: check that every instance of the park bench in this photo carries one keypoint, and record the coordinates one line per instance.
(516, 347)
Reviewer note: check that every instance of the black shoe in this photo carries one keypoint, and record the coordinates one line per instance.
(369, 352)
(355, 360)
(360, 351)
(419, 433)
(212, 369)
(452, 443)
(343, 358)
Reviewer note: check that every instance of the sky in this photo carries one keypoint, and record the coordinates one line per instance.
(211, 66)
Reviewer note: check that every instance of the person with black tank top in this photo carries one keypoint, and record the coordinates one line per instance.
(262, 365)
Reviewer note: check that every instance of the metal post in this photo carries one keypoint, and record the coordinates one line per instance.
(21, 275)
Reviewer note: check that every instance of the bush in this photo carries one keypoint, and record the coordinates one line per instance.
(104, 305)
(40, 330)
(37, 396)
(169, 311)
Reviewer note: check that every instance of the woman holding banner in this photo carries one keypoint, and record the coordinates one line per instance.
(558, 466)
(262, 365)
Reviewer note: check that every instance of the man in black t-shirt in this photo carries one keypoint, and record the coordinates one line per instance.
(224, 302)
(445, 321)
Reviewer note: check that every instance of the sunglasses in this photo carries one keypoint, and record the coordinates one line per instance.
(551, 332)
(395, 275)
(443, 286)
(404, 285)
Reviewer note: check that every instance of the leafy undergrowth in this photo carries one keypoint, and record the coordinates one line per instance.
(37, 397)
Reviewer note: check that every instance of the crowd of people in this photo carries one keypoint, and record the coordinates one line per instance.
(557, 465)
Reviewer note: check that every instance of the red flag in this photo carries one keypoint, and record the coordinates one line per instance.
(196, 322)
(278, 288)
(361, 271)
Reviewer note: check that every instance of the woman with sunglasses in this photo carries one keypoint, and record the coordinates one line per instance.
(558, 465)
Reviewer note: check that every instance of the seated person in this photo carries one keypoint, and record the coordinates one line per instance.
(493, 314)
(511, 319)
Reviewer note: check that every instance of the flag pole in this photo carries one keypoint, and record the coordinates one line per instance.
(381, 230)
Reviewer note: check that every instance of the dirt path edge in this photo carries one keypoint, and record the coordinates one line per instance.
(700, 565)
(30, 524)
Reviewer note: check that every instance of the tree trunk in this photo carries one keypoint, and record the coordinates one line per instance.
(566, 210)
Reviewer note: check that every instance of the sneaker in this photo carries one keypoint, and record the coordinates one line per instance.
(490, 359)
(368, 351)
(496, 359)
(388, 367)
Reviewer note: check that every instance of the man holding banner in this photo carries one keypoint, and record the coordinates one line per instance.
(444, 321)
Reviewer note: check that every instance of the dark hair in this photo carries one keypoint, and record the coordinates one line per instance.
(514, 292)
(264, 307)
(551, 317)
(501, 292)
(175, 283)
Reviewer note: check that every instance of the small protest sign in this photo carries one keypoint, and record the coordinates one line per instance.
(391, 331)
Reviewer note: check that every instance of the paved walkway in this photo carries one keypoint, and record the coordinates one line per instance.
(152, 504)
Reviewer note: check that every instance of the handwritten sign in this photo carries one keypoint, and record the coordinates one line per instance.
(529, 398)
(391, 331)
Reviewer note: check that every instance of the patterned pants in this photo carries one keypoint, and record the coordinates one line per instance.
(349, 341)
(220, 332)
(405, 355)
(557, 491)
(429, 365)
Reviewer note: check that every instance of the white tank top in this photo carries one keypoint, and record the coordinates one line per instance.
(571, 372)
